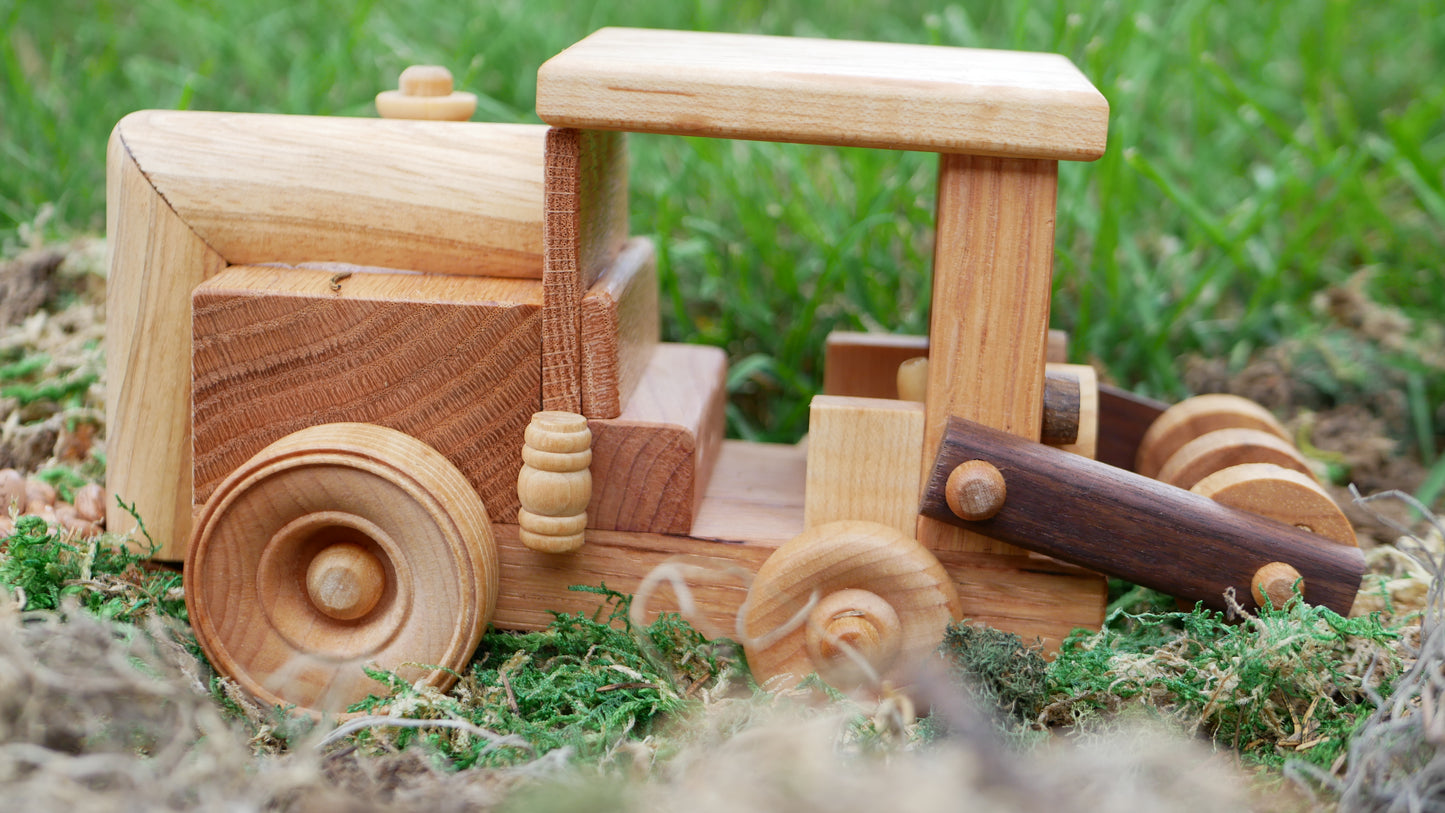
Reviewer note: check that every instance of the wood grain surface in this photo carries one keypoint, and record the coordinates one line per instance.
(813, 91)
(443, 197)
(620, 328)
(988, 327)
(1134, 527)
(453, 361)
(651, 464)
(155, 261)
(865, 365)
(586, 225)
(302, 499)
(863, 461)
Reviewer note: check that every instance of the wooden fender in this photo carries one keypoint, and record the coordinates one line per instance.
(877, 597)
(336, 546)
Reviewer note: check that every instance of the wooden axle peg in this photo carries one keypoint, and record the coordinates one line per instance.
(913, 379)
(849, 626)
(1194, 417)
(877, 590)
(425, 92)
(1071, 402)
(555, 483)
(1223, 448)
(1276, 580)
(976, 490)
(345, 581)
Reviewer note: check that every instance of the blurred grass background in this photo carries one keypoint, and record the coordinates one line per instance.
(1258, 154)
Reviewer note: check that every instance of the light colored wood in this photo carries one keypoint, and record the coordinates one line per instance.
(442, 197)
(847, 556)
(756, 492)
(976, 490)
(155, 261)
(356, 484)
(453, 361)
(424, 92)
(555, 485)
(345, 581)
(992, 279)
(651, 464)
(1279, 493)
(586, 226)
(1198, 416)
(1223, 448)
(863, 461)
(865, 365)
(1277, 581)
(620, 328)
(856, 94)
(913, 379)
(754, 504)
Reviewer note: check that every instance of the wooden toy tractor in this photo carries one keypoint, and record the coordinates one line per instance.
(383, 382)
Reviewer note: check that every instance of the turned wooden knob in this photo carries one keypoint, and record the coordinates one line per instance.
(878, 591)
(975, 490)
(345, 581)
(555, 483)
(337, 546)
(1277, 581)
(425, 92)
(852, 625)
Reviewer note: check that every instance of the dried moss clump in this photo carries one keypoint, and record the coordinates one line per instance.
(1294, 682)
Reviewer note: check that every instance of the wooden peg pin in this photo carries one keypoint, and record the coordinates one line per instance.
(425, 92)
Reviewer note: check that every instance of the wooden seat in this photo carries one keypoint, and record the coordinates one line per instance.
(837, 92)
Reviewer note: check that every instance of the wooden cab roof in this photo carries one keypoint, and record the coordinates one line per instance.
(835, 92)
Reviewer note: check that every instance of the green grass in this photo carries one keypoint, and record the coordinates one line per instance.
(1258, 153)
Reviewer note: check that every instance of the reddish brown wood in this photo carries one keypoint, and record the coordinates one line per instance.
(1101, 517)
(1123, 419)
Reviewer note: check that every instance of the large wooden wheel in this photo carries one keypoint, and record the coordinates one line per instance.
(880, 605)
(334, 547)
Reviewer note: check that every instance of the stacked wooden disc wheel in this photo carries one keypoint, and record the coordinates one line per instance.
(338, 546)
(1234, 452)
(858, 603)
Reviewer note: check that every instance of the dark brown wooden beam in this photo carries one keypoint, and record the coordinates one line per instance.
(1101, 517)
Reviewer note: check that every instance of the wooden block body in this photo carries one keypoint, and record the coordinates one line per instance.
(865, 365)
(586, 225)
(992, 280)
(189, 193)
(452, 361)
(858, 94)
(155, 261)
(444, 197)
(651, 464)
(619, 329)
(864, 461)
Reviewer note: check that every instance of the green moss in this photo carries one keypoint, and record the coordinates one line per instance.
(584, 683)
(102, 575)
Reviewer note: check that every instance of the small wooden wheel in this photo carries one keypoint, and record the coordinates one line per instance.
(337, 546)
(1222, 448)
(882, 598)
(1193, 417)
